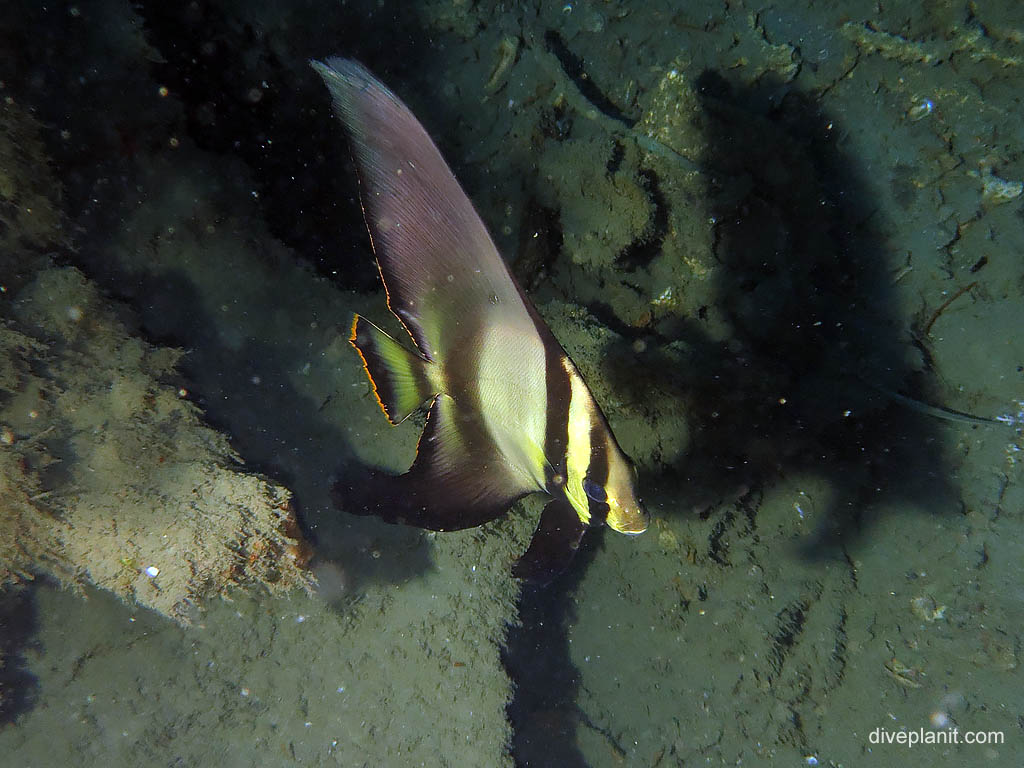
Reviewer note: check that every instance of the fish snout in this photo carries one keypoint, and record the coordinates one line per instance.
(631, 519)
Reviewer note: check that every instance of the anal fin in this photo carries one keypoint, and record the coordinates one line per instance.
(458, 480)
(398, 375)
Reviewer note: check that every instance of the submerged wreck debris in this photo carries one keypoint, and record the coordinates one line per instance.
(508, 48)
(107, 474)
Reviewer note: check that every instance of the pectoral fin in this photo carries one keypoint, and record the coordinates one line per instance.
(457, 481)
(554, 543)
(399, 376)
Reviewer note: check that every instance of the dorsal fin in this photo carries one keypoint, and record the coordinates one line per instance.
(440, 267)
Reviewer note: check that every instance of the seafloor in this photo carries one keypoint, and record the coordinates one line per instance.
(784, 242)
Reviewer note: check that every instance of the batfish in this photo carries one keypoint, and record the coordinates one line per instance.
(508, 413)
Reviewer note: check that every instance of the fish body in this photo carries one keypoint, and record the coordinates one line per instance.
(508, 412)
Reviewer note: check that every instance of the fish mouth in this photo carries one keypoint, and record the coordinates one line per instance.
(632, 527)
(634, 531)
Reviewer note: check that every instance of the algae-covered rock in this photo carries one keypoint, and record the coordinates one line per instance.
(110, 476)
(602, 212)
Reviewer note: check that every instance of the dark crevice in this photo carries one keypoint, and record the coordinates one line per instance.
(615, 161)
(606, 315)
(718, 547)
(555, 122)
(834, 673)
(573, 67)
(790, 623)
(540, 242)
(641, 252)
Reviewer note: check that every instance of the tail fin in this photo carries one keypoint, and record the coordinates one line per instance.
(398, 375)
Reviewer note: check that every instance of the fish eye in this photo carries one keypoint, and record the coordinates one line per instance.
(594, 491)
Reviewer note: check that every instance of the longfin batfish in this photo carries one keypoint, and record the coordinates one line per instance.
(509, 414)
